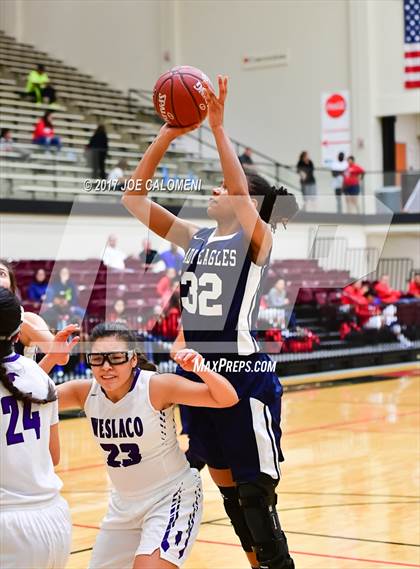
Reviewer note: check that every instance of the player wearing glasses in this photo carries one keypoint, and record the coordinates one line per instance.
(156, 502)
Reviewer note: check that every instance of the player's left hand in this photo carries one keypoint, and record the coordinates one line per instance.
(188, 359)
(60, 347)
(216, 104)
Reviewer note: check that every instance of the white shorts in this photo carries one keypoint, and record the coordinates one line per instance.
(168, 522)
(36, 538)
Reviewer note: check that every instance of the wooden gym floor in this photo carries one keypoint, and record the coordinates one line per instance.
(349, 493)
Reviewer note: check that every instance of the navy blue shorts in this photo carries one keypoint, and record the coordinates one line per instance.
(245, 437)
(352, 190)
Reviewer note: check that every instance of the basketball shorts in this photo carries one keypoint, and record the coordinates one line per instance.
(168, 521)
(245, 437)
(36, 538)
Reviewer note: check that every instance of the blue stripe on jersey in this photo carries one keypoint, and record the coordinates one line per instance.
(220, 292)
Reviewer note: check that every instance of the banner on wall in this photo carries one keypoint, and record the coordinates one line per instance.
(335, 125)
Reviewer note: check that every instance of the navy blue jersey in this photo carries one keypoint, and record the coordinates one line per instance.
(220, 293)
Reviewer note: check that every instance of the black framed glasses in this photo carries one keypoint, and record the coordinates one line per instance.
(113, 358)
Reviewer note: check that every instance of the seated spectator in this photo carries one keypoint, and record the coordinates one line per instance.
(65, 285)
(276, 297)
(165, 323)
(117, 174)
(60, 314)
(148, 256)
(44, 133)
(172, 258)
(167, 286)
(38, 288)
(414, 286)
(356, 294)
(118, 313)
(359, 295)
(38, 85)
(385, 293)
(97, 151)
(7, 144)
(113, 257)
(246, 159)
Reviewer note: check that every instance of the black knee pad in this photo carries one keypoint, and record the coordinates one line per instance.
(258, 500)
(194, 461)
(236, 516)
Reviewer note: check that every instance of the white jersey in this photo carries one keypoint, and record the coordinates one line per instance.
(27, 475)
(139, 443)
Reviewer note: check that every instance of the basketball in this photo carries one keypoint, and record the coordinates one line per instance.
(178, 96)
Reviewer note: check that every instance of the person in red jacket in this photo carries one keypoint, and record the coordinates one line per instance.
(385, 293)
(351, 184)
(414, 286)
(44, 133)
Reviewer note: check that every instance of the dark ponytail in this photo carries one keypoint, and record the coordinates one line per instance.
(120, 331)
(276, 204)
(10, 321)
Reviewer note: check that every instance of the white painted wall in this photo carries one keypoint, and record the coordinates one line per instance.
(83, 236)
(407, 130)
(117, 41)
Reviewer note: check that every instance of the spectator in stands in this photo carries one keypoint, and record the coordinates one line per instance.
(172, 258)
(305, 169)
(385, 292)
(246, 159)
(276, 297)
(165, 323)
(38, 85)
(118, 313)
(38, 288)
(7, 144)
(359, 295)
(64, 284)
(148, 256)
(60, 314)
(117, 174)
(337, 170)
(414, 286)
(167, 286)
(44, 132)
(97, 149)
(113, 257)
(353, 174)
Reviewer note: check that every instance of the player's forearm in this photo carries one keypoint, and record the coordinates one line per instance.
(48, 362)
(221, 390)
(146, 168)
(233, 172)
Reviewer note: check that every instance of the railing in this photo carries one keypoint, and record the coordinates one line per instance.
(380, 192)
(333, 253)
(398, 269)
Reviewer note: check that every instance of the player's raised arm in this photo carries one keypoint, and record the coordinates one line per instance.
(257, 230)
(216, 391)
(73, 394)
(157, 218)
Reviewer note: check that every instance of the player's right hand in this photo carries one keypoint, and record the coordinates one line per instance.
(188, 359)
(172, 132)
(61, 347)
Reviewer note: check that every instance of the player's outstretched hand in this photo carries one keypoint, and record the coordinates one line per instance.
(216, 104)
(61, 346)
(189, 360)
(172, 132)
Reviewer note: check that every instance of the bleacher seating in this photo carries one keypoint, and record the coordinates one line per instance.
(82, 102)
